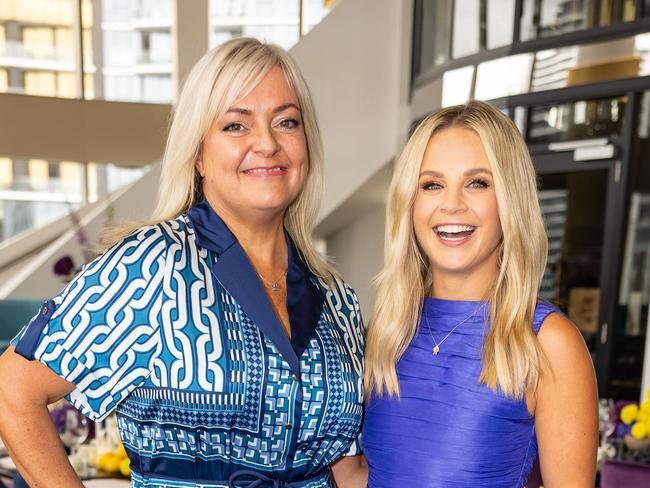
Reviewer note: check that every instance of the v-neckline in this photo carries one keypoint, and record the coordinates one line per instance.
(236, 274)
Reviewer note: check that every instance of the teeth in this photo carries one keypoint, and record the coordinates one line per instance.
(454, 229)
(265, 170)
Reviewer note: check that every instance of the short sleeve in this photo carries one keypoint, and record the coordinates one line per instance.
(355, 448)
(101, 333)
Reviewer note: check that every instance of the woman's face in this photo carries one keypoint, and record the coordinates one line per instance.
(455, 215)
(254, 159)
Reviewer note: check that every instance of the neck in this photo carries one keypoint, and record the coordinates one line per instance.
(461, 286)
(261, 237)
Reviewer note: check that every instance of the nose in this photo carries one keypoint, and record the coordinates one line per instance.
(265, 142)
(453, 202)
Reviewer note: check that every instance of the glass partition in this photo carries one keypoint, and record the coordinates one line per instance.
(573, 205)
(634, 291)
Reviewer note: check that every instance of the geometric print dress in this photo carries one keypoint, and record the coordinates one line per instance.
(172, 329)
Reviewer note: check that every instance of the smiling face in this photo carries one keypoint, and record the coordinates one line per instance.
(455, 214)
(254, 159)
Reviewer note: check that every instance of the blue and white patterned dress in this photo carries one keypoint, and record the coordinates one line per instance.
(172, 329)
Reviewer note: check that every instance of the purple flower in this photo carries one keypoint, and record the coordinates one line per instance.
(64, 266)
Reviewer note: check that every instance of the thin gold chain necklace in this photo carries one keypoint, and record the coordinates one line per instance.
(436, 347)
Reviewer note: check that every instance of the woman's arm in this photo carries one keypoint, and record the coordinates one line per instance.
(27, 387)
(566, 409)
(350, 472)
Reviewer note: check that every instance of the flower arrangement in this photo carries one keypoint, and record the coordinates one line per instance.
(93, 446)
(636, 421)
(65, 267)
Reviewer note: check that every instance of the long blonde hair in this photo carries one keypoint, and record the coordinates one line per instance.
(218, 79)
(512, 356)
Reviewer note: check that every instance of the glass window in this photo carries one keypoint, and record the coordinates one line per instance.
(500, 22)
(35, 192)
(553, 17)
(41, 83)
(561, 16)
(159, 44)
(130, 41)
(615, 11)
(434, 43)
(274, 21)
(156, 88)
(38, 174)
(491, 82)
(89, 86)
(313, 11)
(6, 173)
(4, 82)
(37, 45)
(467, 28)
(121, 87)
(584, 119)
(66, 85)
(528, 26)
(457, 86)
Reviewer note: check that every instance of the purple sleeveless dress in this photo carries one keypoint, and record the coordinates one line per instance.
(447, 429)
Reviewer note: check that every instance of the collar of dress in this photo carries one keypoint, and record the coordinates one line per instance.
(236, 274)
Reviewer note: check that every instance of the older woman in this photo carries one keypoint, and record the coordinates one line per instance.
(230, 350)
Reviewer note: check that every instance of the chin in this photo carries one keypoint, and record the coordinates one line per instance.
(272, 206)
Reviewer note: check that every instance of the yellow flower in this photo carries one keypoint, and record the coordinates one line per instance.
(645, 406)
(639, 430)
(629, 412)
(121, 452)
(125, 467)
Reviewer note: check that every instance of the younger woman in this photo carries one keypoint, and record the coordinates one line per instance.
(472, 377)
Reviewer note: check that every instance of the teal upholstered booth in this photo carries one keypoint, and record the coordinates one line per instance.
(14, 313)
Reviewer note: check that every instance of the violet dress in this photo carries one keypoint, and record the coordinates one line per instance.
(447, 429)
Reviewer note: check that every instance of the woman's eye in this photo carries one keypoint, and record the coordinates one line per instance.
(289, 123)
(430, 185)
(234, 127)
(479, 183)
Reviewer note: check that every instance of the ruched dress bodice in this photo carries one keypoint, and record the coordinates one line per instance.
(447, 429)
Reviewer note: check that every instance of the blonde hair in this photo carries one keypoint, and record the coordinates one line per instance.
(512, 356)
(219, 78)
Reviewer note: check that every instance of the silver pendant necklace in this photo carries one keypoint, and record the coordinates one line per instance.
(274, 285)
(436, 347)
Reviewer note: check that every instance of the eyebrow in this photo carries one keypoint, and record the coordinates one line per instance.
(469, 172)
(276, 110)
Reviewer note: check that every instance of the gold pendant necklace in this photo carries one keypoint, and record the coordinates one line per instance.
(436, 348)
